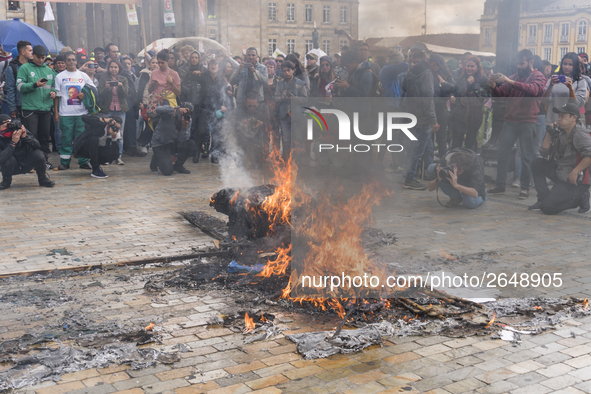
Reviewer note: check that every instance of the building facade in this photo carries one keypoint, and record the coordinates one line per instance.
(267, 25)
(549, 28)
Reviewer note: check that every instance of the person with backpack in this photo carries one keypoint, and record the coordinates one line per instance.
(389, 77)
(11, 94)
(362, 82)
(69, 109)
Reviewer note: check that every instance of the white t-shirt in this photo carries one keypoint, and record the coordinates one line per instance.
(69, 84)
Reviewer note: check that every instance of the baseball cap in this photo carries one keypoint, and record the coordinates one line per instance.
(569, 108)
(486, 64)
(39, 50)
(80, 50)
(4, 118)
(312, 56)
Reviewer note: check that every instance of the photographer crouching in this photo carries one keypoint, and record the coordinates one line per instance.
(20, 152)
(98, 142)
(172, 135)
(460, 175)
(566, 156)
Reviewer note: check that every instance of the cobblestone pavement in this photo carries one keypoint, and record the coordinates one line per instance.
(133, 214)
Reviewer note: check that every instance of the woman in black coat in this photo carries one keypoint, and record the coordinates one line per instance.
(193, 90)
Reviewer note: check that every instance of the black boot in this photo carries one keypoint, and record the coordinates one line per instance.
(5, 184)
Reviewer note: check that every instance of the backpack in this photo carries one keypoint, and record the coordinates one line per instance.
(90, 100)
(3, 75)
(377, 90)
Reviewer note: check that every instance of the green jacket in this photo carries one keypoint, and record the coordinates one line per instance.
(34, 98)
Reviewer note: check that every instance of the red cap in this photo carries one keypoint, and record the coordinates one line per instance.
(81, 50)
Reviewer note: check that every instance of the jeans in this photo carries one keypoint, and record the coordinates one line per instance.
(38, 123)
(32, 160)
(119, 141)
(422, 148)
(98, 154)
(130, 138)
(446, 187)
(538, 140)
(511, 132)
(564, 195)
(57, 134)
(161, 158)
(466, 122)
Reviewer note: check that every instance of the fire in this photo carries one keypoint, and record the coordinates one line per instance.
(263, 319)
(585, 304)
(446, 255)
(491, 321)
(538, 308)
(248, 324)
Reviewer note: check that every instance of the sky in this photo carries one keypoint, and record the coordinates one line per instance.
(400, 18)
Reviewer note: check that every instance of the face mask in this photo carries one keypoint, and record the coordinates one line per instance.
(523, 72)
(6, 133)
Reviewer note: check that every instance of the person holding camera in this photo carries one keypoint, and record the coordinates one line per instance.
(566, 157)
(460, 176)
(250, 76)
(20, 152)
(172, 135)
(98, 142)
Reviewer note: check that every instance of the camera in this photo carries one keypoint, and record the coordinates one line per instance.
(114, 128)
(445, 172)
(553, 131)
(14, 125)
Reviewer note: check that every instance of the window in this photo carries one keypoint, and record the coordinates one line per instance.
(563, 51)
(533, 51)
(290, 46)
(532, 36)
(581, 49)
(210, 9)
(272, 12)
(548, 54)
(291, 12)
(519, 37)
(564, 30)
(547, 34)
(309, 12)
(582, 31)
(326, 46)
(488, 36)
(325, 14)
(309, 45)
(272, 46)
(343, 14)
(343, 43)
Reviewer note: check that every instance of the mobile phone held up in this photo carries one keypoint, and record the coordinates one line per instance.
(113, 83)
(43, 80)
(561, 78)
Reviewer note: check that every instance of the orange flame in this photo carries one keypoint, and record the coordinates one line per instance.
(585, 304)
(491, 321)
(263, 319)
(248, 324)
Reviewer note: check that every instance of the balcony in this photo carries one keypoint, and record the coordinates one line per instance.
(563, 38)
(582, 38)
(548, 40)
(531, 40)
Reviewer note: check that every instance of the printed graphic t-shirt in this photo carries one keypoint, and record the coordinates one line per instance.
(69, 84)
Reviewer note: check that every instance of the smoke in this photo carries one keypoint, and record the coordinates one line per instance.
(401, 18)
(233, 172)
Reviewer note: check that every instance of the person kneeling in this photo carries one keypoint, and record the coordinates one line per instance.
(462, 179)
(172, 134)
(98, 142)
(568, 151)
(20, 152)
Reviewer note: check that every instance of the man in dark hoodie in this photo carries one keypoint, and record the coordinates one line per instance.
(419, 89)
(360, 81)
(389, 76)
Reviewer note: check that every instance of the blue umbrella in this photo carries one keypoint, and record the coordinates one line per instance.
(13, 31)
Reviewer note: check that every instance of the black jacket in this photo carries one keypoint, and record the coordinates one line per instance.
(472, 177)
(93, 127)
(419, 88)
(24, 146)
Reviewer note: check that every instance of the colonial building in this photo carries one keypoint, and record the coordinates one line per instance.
(549, 28)
(267, 25)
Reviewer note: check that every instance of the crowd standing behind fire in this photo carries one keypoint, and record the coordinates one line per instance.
(176, 103)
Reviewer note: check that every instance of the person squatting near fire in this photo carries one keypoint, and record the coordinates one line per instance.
(172, 136)
(566, 157)
(98, 142)
(20, 153)
(460, 175)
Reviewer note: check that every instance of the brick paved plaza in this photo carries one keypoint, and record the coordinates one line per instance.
(134, 214)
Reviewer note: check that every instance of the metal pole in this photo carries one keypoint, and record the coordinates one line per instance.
(54, 39)
(144, 31)
(425, 18)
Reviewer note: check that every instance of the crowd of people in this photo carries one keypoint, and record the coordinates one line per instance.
(96, 108)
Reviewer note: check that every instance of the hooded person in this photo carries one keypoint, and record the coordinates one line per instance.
(389, 75)
(325, 76)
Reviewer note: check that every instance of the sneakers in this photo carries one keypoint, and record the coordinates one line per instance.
(414, 185)
(63, 167)
(120, 162)
(523, 195)
(536, 207)
(496, 190)
(49, 165)
(98, 173)
(196, 158)
(453, 202)
(141, 151)
(46, 182)
(86, 166)
(5, 184)
(585, 205)
(181, 170)
(516, 183)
